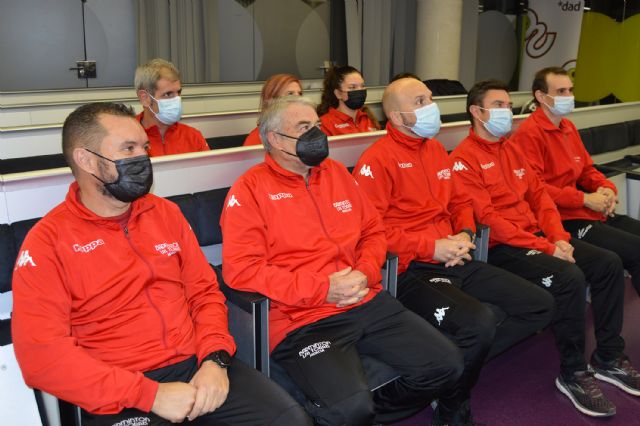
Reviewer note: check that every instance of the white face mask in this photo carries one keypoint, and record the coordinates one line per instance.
(562, 105)
(427, 123)
(169, 110)
(500, 120)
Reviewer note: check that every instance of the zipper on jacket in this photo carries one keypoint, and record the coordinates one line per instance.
(146, 288)
(426, 177)
(510, 187)
(326, 233)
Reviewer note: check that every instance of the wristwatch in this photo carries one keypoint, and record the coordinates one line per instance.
(470, 233)
(221, 357)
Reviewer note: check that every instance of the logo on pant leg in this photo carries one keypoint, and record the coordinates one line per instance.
(440, 313)
(440, 280)
(134, 421)
(546, 281)
(533, 252)
(583, 231)
(314, 349)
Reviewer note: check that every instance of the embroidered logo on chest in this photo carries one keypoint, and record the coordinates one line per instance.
(86, 248)
(168, 249)
(280, 196)
(519, 173)
(444, 174)
(343, 206)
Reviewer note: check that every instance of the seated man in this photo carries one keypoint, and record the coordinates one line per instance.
(585, 198)
(115, 306)
(527, 238)
(406, 175)
(158, 88)
(298, 230)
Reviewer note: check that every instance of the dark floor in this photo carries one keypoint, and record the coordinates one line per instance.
(517, 388)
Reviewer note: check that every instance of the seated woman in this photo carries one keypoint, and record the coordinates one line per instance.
(342, 109)
(276, 86)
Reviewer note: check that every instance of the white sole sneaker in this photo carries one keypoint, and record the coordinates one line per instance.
(580, 407)
(617, 383)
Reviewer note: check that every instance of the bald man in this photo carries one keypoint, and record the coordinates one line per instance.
(407, 176)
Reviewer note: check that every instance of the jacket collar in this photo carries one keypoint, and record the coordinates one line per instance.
(74, 204)
(278, 169)
(345, 117)
(154, 127)
(543, 121)
(412, 142)
(486, 144)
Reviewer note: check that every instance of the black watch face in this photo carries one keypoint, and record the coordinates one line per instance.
(223, 357)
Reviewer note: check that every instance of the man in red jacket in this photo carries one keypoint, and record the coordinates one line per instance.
(158, 88)
(527, 238)
(407, 176)
(115, 306)
(298, 230)
(586, 199)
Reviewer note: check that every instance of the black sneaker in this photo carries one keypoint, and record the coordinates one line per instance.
(586, 396)
(619, 373)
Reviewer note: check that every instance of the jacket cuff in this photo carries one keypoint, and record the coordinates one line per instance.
(148, 391)
(426, 248)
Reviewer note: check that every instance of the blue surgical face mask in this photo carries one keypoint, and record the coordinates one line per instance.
(500, 120)
(169, 110)
(427, 123)
(563, 105)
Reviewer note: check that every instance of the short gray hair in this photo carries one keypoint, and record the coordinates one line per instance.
(271, 115)
(147, 75)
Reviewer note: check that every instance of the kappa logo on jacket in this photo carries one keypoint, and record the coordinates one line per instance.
(24, 259)
(458, 166)
(341, 126)
(519, 173)
(86, 248)
(405, 165)
(233, 201)
(366, 171)
(168, 248)
(444, 174)
(577, 159)
(343, 206)
(280, 196)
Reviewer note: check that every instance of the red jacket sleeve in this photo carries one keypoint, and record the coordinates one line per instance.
(502, 230)
(379, 189)
(202, 143)
(48, 355)
(372, 248)
(461, 208)
(544, 209)
(590, 178)
(245, 262)
(206, 301)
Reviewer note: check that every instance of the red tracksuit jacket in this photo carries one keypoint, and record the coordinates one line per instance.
(283, 238)
(336, 122)
(507, 194)
(408, 179)
(95, 304)
(178, 139)
(559, 157)
(253, 138)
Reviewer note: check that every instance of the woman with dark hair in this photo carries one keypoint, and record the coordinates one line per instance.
(342, 109)
(276, 86)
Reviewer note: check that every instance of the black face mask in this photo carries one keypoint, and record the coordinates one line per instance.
(312, 146)
(356, 98)
(135, 177)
